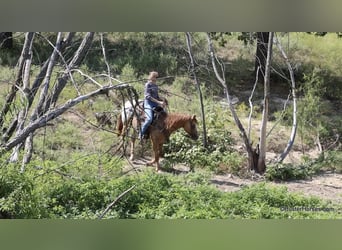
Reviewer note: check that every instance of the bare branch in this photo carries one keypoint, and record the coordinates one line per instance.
(251, 105)
(188, 41)
(294, 114)
(115, 201)
(226, 90)
(105, 59)
(280, 117)
(42, 121)
(76, 60)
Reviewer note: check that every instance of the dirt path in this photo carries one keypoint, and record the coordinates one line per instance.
(327, 186)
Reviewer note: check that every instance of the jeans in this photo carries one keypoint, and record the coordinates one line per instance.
(148, 109)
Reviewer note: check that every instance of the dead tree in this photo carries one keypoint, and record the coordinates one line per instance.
(256, 156)
(22, 126)
(252, 154)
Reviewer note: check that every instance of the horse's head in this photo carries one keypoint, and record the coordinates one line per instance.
(191, 127)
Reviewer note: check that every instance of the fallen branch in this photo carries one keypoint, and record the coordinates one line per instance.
(43, 120)
(115, 201)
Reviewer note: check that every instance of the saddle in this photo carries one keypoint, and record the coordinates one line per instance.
(159, 114)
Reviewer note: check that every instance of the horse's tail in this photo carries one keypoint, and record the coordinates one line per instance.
(119, 125)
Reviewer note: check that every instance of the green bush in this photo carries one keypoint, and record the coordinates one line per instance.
(18, 197)
(167, 196)
(285, 172)
(42, 193)
(218, 156)
(330, 161)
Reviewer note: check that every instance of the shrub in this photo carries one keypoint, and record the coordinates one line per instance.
(330, 161)
(18, 197)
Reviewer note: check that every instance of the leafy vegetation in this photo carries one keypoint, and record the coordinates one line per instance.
(44, 193)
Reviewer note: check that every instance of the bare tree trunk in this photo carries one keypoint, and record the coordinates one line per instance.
(294, 114)
(26, 66)
(22, 83)
(188, 41)
(25, 55)
(262, 144)
(75, 62)
(47, 71)
(43, 95)
(261, 53)
(31, 93)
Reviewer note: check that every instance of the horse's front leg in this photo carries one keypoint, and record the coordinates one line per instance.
(161, 150)
(155, 158)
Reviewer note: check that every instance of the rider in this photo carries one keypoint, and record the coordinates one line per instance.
(151, 101)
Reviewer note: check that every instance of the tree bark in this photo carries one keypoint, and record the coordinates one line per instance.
(25, 55)
(26, 85)
(261, 53)
(44, 91)
(262, 144)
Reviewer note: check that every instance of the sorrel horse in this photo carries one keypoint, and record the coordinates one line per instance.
(162, 127)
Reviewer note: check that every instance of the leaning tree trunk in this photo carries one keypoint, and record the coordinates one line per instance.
(47, 101)
(17, 85)
(43, 95)
(30, 92)
(23, 81)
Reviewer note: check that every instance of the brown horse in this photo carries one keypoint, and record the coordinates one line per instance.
(159, 131)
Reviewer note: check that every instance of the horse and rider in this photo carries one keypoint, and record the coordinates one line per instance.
(157, 129)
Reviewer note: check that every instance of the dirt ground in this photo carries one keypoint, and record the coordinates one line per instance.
(327, 186)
